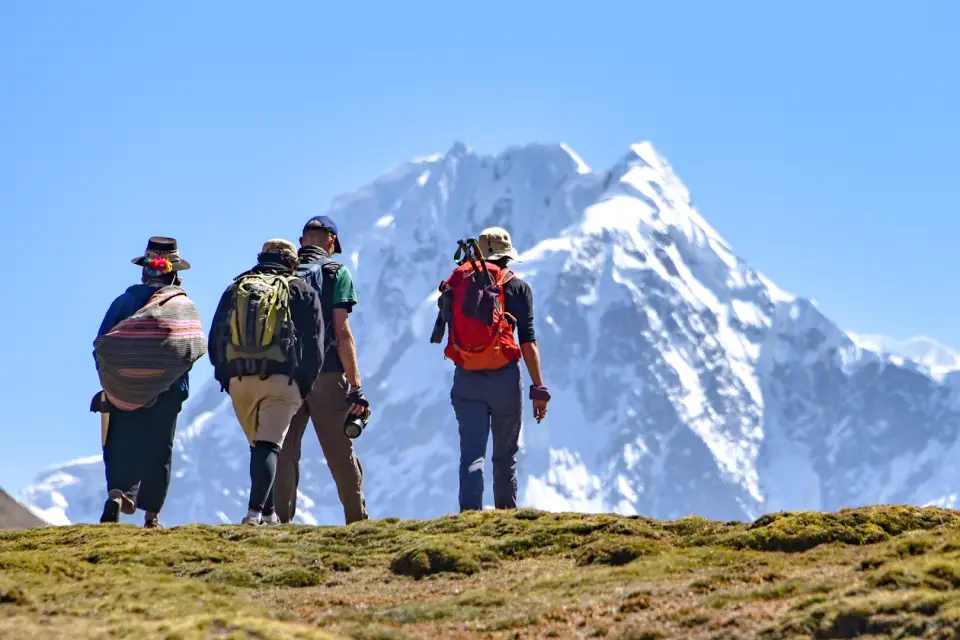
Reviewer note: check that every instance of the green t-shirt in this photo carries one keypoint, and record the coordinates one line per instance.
(344, 295)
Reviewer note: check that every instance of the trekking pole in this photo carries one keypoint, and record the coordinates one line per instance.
(461, 251)
(463, 254)
(471, 258)
(479, 254)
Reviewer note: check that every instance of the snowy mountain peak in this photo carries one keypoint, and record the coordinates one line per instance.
(643, 155)
(645, 152)
(582, 166)
(940, 360)
(458, 149)
(684, 381)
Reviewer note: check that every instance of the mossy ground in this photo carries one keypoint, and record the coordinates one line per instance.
(874, 572)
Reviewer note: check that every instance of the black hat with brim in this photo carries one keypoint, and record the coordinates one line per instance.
(162, 247)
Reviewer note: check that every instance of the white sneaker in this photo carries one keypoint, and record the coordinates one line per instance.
(273, 518)
(253, 518)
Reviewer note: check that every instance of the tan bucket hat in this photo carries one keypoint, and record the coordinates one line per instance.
(279, 246)
(495, 243)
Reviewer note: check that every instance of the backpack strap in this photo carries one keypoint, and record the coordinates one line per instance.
(291, 345)
(314, 266)
(304, 270)
(312, 270)
(506, 275)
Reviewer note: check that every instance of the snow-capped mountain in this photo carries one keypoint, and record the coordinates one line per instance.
(684, 381)
(938, 358)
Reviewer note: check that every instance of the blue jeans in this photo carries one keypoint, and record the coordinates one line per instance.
(485, 402)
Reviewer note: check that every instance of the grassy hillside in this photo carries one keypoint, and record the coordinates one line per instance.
(883, 571)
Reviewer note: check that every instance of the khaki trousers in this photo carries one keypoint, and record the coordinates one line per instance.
(265, 407)
(326, 407)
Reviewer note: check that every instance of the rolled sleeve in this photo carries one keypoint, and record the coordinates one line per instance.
(344, 292)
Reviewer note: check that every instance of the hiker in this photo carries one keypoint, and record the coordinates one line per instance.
(337, 395)
(266, 350)
(152, 327)
(483, 302)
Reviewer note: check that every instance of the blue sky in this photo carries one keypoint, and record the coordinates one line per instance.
(819, 138)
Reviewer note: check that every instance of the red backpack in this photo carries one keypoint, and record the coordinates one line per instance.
(481, 336)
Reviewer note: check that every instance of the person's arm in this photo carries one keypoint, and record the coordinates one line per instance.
(346, 346)
(217, 328)
(347, 349)
(531, 357)
(110, 320)
(521, 307)
(110, 317)
(344, 299)
(539, 394)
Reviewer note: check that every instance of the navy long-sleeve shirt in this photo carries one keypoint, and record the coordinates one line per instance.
(518, 302)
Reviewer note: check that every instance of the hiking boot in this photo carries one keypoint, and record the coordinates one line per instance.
(111, 512)
(272, 519)
(152, 523)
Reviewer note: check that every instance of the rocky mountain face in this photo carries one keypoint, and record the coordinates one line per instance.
(14, 515)
(684, 381)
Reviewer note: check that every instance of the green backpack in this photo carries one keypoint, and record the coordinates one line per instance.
(261, 324)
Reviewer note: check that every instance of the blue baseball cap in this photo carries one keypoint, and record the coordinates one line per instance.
(324, 222)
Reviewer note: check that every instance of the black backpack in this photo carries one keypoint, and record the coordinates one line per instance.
(321, 275)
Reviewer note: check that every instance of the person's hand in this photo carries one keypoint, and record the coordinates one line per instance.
(359, 405)
(540, 409)
(540, 396)
(359, 410)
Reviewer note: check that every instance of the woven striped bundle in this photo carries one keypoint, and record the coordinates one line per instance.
(145, 354)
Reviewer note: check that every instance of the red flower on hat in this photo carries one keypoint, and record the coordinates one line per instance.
(160, 265)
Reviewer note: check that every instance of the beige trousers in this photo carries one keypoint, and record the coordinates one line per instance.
(265, 407)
